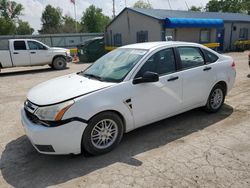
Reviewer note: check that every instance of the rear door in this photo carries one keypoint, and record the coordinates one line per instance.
(198, 77)
(20, 54)
(39, 54)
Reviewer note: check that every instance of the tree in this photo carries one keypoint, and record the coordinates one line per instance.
(69, 25)
(246, 6)
(10, 9)
(51, 20)
(7, 26)
(235, 6)
(194, 8)
(24, 28)
(142, 4)
(93, 20)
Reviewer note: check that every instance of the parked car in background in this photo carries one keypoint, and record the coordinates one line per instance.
(125, 89)
(28, 52)
(92, 49)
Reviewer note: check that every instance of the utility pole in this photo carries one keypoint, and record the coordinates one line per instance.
(113, 8)
(187, 5)
(169, 5)
(75, 16)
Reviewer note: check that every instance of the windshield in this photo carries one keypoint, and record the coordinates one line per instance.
(114, 66)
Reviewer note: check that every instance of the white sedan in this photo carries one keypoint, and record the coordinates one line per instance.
(130, 87)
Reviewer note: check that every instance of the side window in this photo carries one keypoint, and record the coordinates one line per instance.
(190, 57)
(211, 57)
(35, 46)
(4, 44)
(19, 45)
(162, 62)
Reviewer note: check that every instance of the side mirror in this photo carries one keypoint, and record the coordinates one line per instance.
(147, 77)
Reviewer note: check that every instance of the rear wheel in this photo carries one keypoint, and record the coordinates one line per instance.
(215, 99)
(103, 133)
(59, 63)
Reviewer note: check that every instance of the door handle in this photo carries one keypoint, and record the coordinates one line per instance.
(173, 78)
(207, 68)
(15, 53)
(32, 52)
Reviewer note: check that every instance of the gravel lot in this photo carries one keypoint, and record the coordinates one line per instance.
(194, 149)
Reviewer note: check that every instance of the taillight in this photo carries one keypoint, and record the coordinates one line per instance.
(233, 64)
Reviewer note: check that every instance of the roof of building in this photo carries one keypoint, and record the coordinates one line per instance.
(162, 14)
(151, 45)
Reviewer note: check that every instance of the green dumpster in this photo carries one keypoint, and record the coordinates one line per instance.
(91, 50)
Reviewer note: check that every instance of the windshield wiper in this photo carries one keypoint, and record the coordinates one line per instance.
(93, 76)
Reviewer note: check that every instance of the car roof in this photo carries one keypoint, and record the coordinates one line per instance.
(152, 45)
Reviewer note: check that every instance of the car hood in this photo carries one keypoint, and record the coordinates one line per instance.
(64, 88)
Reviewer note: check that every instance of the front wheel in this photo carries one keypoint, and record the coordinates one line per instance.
(215, 99)
(103, 133)
(59, 63)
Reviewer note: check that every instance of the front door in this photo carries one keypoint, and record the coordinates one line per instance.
(20, 54)
(39, 54)
(155, 101)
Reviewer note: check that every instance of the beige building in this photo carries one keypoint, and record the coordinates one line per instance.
(141, 25)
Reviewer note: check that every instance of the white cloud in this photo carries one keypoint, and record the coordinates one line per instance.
(33, 8)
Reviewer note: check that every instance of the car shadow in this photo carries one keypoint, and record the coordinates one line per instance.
(32, 71)
(248, 75)
(22, 166)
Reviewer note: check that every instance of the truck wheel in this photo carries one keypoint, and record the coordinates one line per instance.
(59, 63)
(103, 133)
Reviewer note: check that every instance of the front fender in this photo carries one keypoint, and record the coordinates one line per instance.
(88, 107)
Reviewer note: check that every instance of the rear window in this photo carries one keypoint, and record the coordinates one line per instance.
(4, 44)
(19, 45)
(211, 57)
(190, 57)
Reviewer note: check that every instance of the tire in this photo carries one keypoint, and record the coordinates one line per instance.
(59, 63)
(216, 99)
(98, 141)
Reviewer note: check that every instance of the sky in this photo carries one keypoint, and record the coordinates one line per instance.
(33, 8)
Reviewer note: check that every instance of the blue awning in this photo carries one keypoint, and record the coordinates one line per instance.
(193, 23)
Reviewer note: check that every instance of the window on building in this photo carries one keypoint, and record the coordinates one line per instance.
(205, 36)
(142, 36)
(118, 39)
(243, 33)
(190, 57)
(19, 45)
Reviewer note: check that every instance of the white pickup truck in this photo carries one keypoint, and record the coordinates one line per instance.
(28, 52)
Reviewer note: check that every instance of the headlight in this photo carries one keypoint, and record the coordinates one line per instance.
(54, 112)
(67, 53)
